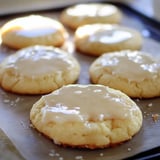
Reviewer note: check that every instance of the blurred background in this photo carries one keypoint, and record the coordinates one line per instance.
(150, 8)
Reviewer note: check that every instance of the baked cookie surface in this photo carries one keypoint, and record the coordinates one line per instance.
(33, 30)
(81, 14)
(96, 39)
(86, 116)
(37, 70)
(135, 73)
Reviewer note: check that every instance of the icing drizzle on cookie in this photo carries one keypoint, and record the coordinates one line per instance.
(86, 103)
(32, 26)
(91, 10)
(39, 60)
(104, 33)
(110, 36)
(132, 65)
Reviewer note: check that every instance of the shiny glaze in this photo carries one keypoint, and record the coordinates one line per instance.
(104, 33)
(38, 60)
(80, 103)
(110, 37)
(32, 26)
(133, 65)
(91, 10)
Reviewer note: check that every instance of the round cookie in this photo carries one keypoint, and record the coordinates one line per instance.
(38, 70)
(95, 39)
(81, 14)
(133, 72)
(33, 30)
(90, 116)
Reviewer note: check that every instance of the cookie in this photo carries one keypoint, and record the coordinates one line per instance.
(135, 73)
(82, 14)
(38, 70)
(95, 39)
(86, 116)
(33, 30)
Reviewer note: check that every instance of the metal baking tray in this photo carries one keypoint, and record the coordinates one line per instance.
(14, 108)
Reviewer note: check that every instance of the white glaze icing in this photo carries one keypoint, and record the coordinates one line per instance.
(110, 35)
(85, 103)
(32, 26)
(131, 65)
(39, 60)
(91, 10)
(104, 33)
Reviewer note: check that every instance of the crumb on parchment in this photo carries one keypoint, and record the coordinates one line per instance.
(155, 117)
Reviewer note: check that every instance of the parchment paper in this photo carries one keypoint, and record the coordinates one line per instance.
(14, 111)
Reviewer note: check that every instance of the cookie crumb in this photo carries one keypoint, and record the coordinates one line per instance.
(101, 154)
(12, 104)
(31, 125)
(51, 154)
(79, 157)
(22, 123)
(6, 100)
(129, 149)
(57, 154)
(155, 117)
(150, 105)
(17, 100)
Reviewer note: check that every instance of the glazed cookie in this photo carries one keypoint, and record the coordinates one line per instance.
(95, 39)
(86, 116)
(38, 70)
(81, 14)
(33, 30)
(134, 72)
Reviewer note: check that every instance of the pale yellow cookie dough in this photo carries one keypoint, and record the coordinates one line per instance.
(33, 30)
(38, 70)
(81, 14)
(86, 116)
(96, 39)
(135, 73)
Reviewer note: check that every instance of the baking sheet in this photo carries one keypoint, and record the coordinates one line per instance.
(14, 108)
